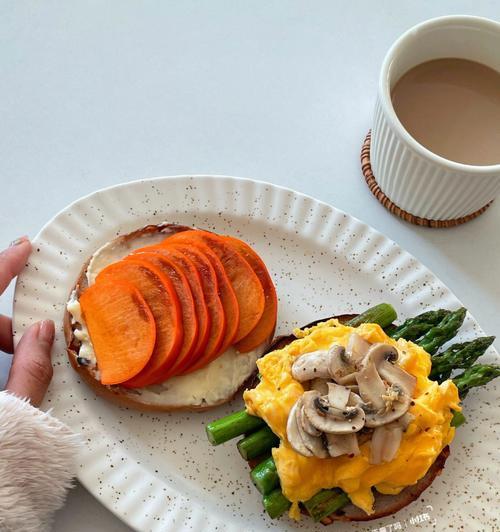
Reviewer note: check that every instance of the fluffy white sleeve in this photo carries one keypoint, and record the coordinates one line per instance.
(37, 464)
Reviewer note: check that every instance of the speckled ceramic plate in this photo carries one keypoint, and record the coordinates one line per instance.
(156, 471)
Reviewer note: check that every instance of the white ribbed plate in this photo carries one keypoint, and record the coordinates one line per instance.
(157, 471)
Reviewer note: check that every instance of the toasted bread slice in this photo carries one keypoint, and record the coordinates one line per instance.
(227, 374)
(384, 504)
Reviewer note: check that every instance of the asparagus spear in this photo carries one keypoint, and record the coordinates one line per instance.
(383, 314)
(457, 356)
(325, 503)
(257, 443)
(445, 330)
(457, 419)
(322, 504)
(476, 375)
(413, 328)
(232, 426)
(276, 504)
(265, 476)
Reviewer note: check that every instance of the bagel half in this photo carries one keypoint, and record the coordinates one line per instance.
(221, 379)
(384, 504)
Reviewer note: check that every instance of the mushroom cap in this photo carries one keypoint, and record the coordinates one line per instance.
(314, 443)
(293, 434)
(371, 386)
(379, 353)
(394, 374)
(341, 368)
(311, 366)
(377, 418)
(304, 422)
(331, 420)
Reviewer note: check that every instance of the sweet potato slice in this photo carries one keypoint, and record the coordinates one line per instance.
(121, 327)
(264, 329)
(189, 318)
(247, 288)
(213, 300)
(194, 280)
(161, 297)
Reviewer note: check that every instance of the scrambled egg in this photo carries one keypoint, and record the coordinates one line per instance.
(302, 477)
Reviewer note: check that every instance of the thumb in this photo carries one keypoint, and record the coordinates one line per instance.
(31, 369)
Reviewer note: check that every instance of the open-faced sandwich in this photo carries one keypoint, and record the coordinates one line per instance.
(351, 417)
(170, 317)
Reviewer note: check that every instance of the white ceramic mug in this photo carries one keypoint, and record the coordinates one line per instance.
(412, 177)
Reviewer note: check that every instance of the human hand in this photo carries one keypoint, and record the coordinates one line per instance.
(31, 368)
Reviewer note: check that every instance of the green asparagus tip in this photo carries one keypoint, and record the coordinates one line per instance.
(413, 328)
(458, 356)
(476, 375)
(445, 330)
(383, 314)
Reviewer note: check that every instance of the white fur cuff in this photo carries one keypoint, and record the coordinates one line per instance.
(37, 464)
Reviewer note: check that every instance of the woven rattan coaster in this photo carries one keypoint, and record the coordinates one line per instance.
(366, 168)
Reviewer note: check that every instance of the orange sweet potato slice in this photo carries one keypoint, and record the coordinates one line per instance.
(121, 327)
(264, 329)
(218, 318)
(246, 285)
(161, 297)
(195, 283)
(189, 318)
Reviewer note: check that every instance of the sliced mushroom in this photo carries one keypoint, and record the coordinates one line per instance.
(355, 399)
(357, 348)
(339, 444)
(314, 443)
(377, 418)
(396, 375)
(293, 434)
(341, 368)
(311, 366)
(304, 422)
(338, 396)
(384, 357)
(371, 386)
(392, 443)
(332, 420)
(320, 385)
(385, 444)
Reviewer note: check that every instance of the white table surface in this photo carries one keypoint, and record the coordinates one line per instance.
(96, 93)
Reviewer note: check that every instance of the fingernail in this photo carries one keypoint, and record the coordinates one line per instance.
(46, 331)
(19, 240)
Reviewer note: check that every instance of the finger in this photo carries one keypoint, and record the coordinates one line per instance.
(12, 261)
(6, 342)
(31, 369)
